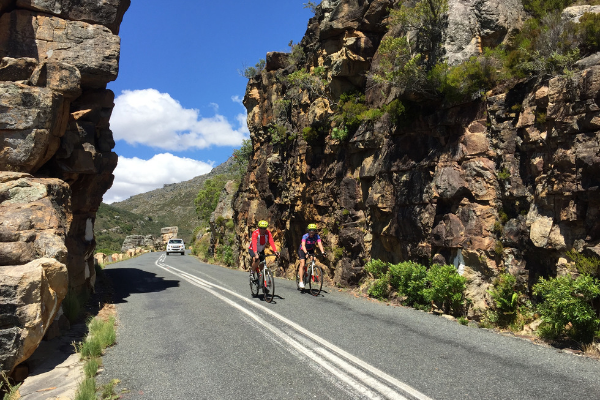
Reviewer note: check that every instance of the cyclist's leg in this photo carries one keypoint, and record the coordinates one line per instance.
(302, 257)
(253, 262)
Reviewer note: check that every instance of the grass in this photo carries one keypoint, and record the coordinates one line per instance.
(101, 334)
(9, 392)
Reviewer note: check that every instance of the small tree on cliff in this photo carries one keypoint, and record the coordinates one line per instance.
(406, 60)
(208, 196)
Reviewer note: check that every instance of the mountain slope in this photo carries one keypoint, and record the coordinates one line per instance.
(173, 203)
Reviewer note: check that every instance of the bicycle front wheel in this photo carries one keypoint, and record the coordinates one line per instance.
(268, 286)
(254, 284)
(315, 280)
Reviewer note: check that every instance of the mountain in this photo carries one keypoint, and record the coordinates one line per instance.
(174, 203)
(114, 224)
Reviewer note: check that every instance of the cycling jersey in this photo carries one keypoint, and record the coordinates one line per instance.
(310, 242)
(259, 242)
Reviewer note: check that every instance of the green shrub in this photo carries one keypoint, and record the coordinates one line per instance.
(567, 307)
(589, 29)
(296, 53)
(584, 265)
(462, 320)
(504, 174)
(377, 268)
(397, 112)
(338, 253)
(410, 280)
(229, 224)
(466, 81)
(311, 5)
(242, 156)
(379, 289)
(339, 134)
(310, 134)
(227, 255)
(278, 133)
(506, 298)
(499, 248)
(446, 288)
(208, 197)
(498, 228)
(251, 72)
(539, 8)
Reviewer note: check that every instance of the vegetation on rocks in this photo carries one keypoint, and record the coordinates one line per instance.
(114, 224)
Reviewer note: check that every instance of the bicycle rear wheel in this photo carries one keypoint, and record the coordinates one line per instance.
(268, 286)
(315, 281)
(254, 284)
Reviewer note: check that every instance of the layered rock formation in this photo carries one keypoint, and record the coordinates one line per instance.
(505, 184)
(56, 58)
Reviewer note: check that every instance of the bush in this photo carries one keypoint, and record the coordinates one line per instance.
(446, 288)
(208, 197)
(539, 8)
(251, 72)
(340, 134)
(567, 307)
(589, 30)
(505, 298)
(410, 280)
(310, 134)
(584, 265)
(376, 268)
(380, 288)
(278, 133)
(242, 156)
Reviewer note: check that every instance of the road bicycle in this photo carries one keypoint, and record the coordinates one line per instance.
(313, 275)
(263, 280)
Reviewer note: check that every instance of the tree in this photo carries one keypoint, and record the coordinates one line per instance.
(407, 59)
(208, 196)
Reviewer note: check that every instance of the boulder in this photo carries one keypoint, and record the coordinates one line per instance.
(92, 49)
(32, 294)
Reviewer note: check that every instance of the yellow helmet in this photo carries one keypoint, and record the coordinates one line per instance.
(263, 224)
(312, 227)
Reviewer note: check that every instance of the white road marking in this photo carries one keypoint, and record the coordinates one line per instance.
(319, 346)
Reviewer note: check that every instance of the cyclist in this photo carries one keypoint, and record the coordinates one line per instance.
(259, 240)
(309, 241)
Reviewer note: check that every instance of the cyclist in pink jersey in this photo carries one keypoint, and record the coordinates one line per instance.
(259, 240)
(309, 241)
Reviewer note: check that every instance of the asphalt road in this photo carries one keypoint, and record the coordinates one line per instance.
(190, 330)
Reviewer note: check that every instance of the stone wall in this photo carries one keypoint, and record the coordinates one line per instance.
(56, 159)
(488, 186)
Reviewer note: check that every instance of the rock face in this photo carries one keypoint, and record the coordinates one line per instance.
(147, 241)
(505, 184)
(56, 57)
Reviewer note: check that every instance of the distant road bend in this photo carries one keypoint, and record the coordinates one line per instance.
(176, 341)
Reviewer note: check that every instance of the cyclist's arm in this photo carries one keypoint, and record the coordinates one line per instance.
(253, 244)
(320, 246)
(272, 242)
(303, 246)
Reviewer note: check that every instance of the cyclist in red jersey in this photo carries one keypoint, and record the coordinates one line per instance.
(260, 237)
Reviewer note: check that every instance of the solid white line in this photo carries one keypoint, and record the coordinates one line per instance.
(362, 364)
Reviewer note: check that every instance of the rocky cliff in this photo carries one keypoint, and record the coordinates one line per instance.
(56, 58)
(507, 182)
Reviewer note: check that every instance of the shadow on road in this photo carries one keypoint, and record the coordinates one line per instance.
(126, 281)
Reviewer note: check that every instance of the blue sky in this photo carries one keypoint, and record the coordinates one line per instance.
(178, 110)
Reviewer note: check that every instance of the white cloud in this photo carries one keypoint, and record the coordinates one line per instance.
(155, 119)
(134, 175)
